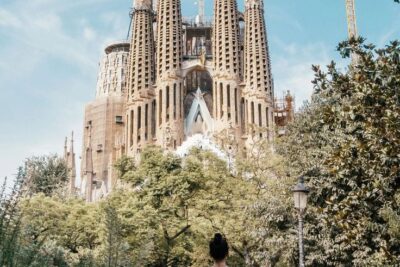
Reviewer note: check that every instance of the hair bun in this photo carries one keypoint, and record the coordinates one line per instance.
(218, 238)
(219, 248)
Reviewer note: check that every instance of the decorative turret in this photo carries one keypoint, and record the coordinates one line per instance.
(69, 158)
(226, 59)
(258, 92)
(72, 166)
(169, 79)
(140, 107)
(88, 172)
(66, 149)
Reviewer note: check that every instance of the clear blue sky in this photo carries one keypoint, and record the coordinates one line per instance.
(50, 49)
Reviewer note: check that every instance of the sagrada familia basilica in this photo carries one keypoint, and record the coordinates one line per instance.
(175, 78)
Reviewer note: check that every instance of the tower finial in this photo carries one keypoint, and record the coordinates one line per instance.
(65, 148)
(72, 143)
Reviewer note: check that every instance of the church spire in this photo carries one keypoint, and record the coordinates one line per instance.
(142, 68)
(72, 142)
(257, 74)
(140, 105)
(72, 166)
(66, 149)
(88, 171)
(69, 158)
(169, 79)
(226, 58)
(226, 54)
(258, 90)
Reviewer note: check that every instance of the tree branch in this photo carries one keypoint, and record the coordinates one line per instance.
(184, 229)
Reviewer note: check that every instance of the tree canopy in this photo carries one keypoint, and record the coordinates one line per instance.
(164, 215)
(346, 142)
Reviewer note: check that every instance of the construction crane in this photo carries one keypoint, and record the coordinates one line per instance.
(201, 11)
(351, 19)
(351, 24)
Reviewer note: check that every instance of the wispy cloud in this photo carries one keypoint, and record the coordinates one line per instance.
(45, 33)
(292, 67)
(392, 33)
(39, 25)
(48, 65)
(7, 19)
(282, 16)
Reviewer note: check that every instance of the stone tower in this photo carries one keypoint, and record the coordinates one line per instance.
(258, 91)
(169, 78)
(140, 104)
(103, 132)
(226, 63)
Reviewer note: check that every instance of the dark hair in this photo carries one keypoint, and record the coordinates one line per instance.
(219, 247)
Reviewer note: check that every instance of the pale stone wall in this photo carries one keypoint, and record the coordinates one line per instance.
(104, 123)
(104, 116)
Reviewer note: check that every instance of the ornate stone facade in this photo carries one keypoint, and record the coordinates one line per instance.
(184, 77)
(234, 75)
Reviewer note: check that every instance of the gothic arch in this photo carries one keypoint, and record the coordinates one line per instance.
(197, 78)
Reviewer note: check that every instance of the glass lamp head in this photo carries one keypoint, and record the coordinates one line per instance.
(300, 192)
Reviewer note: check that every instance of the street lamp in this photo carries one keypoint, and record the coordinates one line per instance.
(300, 193)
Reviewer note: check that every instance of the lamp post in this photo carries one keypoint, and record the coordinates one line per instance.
(300, 192)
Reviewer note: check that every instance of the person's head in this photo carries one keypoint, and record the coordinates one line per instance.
(219, 248)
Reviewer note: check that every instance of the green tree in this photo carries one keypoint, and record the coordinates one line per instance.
(115, 250)
(56, 232)
(175, 205)
(10, 223)
(44, 174)
(157, 209)
(269, 230)
(346, 142)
